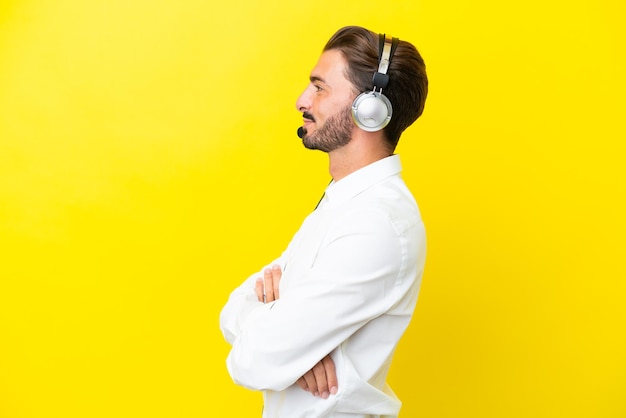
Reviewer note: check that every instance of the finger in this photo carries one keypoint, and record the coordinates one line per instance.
(319, 371)
(302, 383)
(258, 289)
(309, 378)
(331, 374)
(276, 276)
(269, 285)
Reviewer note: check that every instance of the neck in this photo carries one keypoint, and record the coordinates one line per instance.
(363, 149)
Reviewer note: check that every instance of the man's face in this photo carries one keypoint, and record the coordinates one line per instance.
(326, 104)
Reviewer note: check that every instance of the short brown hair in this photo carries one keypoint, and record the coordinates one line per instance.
(408, 83)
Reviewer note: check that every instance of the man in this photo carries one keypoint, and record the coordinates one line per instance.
(317, 328)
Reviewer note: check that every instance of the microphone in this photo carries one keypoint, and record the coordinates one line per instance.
(301, 132)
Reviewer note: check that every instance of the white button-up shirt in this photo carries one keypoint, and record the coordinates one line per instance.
(351, 276)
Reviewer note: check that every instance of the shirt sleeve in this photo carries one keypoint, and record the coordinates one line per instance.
(355, 277)
(242, 302)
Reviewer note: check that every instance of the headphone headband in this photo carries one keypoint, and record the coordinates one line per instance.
(386, 48)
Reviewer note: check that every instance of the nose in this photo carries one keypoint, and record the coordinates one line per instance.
(304, 101)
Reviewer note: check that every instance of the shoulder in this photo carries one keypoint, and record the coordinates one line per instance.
(383, 211)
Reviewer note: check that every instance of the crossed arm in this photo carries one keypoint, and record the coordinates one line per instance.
(321, 380)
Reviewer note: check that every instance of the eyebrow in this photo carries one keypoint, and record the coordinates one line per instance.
(315, 78)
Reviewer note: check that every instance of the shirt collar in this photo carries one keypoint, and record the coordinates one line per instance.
(363, 178)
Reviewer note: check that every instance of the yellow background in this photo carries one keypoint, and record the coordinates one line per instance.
(149, 163)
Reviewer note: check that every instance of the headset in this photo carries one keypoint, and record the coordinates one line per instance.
(372, 110)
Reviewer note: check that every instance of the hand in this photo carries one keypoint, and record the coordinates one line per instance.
(321, 380)
(267, 287)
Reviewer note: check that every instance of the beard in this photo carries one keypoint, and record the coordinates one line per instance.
(333, 134)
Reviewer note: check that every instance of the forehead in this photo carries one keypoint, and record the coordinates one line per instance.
(331, 69)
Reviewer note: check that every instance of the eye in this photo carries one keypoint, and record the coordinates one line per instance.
(317, 87)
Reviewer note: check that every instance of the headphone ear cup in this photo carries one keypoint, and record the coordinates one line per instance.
(371, 111)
